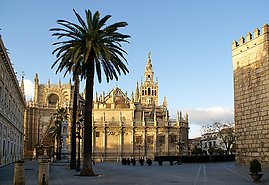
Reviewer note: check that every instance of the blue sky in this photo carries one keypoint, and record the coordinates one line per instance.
(190, 43)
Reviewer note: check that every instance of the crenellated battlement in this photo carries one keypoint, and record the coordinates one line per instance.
(251, 48)
(249, 37)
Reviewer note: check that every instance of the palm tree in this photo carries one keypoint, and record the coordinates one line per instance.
(55, 131)
(91, 45)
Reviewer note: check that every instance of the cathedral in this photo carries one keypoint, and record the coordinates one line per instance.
(135, 126)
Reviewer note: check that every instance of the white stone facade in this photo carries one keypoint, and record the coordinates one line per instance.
(12, 106)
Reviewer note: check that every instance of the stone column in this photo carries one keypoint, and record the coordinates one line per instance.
(166, 142)
(132, 141)
(64, 134)
(43, 171)
(19, 177)
(104, 144)
(155, 148)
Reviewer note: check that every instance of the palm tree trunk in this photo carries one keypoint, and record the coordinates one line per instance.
(73, 128)
(87, 154)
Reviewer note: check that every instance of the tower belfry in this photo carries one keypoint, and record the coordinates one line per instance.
(149, 88)
(149, 71)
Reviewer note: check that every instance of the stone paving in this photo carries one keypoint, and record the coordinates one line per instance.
(114, 173)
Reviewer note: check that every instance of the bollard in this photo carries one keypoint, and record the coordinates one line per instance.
(43, 171)
(43, 179)
(19, 177)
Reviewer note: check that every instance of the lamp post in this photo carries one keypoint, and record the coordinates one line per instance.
(79, 127)
(139, 148)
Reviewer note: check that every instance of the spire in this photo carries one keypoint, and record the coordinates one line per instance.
(149, 71)
(49, 83)
(59, 83)
(177, 118)
(136, 93)
(36, 87)
(36, 79)
(164, 102)
(96, 97)
(180, 116)
(22, 85)
(149, 60)
(186, 118)
(132, 97)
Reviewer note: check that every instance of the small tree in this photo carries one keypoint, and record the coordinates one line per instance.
(225, 132)
(55, 131)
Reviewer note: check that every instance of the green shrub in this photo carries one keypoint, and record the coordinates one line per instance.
(255, 166)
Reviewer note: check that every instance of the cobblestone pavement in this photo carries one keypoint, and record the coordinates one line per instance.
(115, 173)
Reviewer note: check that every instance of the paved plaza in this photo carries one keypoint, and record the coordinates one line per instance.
(114, 173)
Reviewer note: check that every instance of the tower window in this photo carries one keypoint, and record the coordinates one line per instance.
(149, 91)
(148, 77)
(142, 92)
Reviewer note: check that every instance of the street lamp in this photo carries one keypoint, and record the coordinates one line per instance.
(139, 148)
(79, 127)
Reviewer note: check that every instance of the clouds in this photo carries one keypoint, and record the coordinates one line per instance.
(199, 117)
(28, 89)
(208, 115)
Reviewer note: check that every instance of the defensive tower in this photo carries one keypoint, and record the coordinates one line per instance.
(250, 57)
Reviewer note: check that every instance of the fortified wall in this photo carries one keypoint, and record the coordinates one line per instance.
(250, 56)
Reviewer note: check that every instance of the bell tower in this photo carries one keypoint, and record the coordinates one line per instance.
(149, 88)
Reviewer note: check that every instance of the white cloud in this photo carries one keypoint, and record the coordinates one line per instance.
(28, 89)
(199, 117)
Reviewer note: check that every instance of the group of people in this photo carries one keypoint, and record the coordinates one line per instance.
(141, 160)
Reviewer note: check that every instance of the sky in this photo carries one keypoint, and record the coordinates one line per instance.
(189, 40)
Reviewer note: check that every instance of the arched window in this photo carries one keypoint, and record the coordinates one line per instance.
(155, 92)
(149, 91)
(53, 99)
(142, 92)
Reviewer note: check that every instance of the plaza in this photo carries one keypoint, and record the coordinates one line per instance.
(226, 173)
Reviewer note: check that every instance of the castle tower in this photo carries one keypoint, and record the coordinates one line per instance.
(250, 57)
(149, 88)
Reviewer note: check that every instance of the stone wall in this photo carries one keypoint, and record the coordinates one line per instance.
(251, 96)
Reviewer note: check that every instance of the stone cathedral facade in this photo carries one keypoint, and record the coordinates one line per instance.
(137, 125)
(47, 98)
(123, 126)
(251, 96)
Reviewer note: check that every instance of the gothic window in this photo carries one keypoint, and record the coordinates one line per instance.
(149, 91)
(142, 92)
(161, 140)
(145, 92)
(172, 138)
(53, 99)
(155, 92)
(138, 140)
(152, 92)
(148, 77)
(149, 140)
